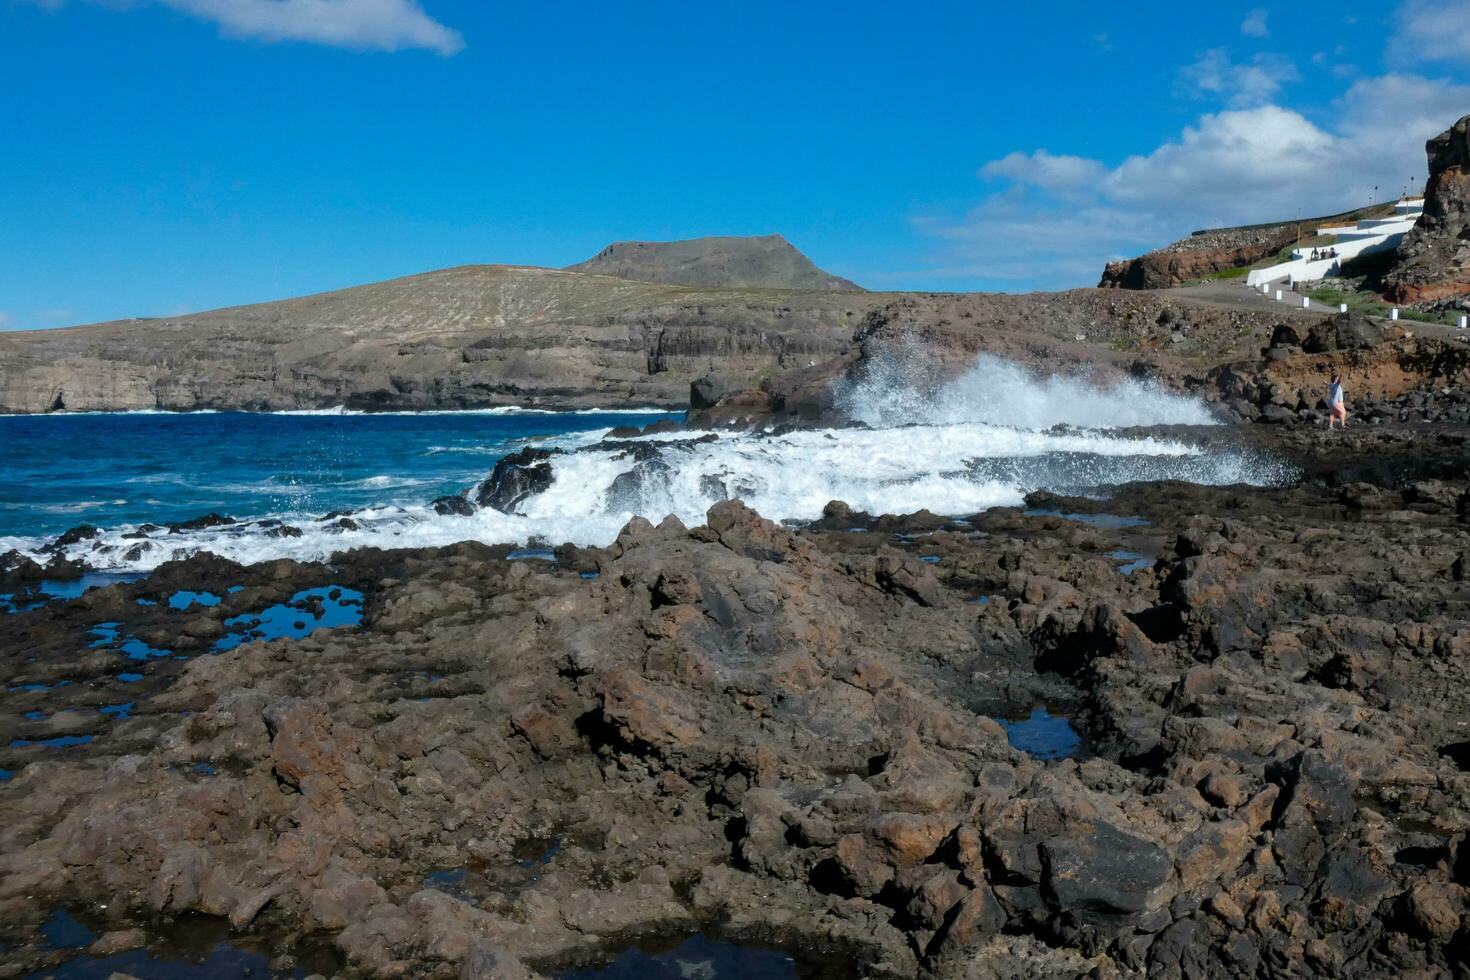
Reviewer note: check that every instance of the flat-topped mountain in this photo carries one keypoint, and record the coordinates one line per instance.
(498, 335)
(467, 337)
(764, 262)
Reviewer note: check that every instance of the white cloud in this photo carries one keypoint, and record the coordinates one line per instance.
(382, 25)
(1386, 120)
(1433, 30)
(1053, 172)
(1226, 164)
(370, 25)
(1254, 24)
(1214, 74)
(1055, 219)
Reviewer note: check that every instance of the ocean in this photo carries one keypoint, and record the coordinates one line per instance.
(955, 447)
(58, 471)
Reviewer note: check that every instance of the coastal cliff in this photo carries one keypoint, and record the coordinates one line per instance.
(471, 337)
(1433, 260)
(486, 336)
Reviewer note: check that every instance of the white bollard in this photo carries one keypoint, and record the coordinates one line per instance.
(1306, 302)
(1393, 314)
(1464, 322)
(1265, 288)
(1278, 295)
(1342, 307)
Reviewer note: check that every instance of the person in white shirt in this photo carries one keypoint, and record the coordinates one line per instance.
(1336, 410)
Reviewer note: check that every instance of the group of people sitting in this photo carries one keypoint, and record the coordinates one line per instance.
(1323, 253)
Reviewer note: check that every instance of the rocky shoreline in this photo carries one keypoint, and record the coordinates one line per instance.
(801, 736)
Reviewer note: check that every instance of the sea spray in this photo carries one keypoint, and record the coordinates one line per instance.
(949, 445)
(902, 385)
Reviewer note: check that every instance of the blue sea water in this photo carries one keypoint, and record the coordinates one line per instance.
(987, 442)
(202, 957)
(58, 471)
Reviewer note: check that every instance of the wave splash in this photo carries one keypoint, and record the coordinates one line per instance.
(955, 447)
(903, 386)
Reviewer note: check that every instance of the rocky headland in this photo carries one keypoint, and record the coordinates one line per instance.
(1182, 731)
(1214, 250)
(1429, 271)
(1432, 263)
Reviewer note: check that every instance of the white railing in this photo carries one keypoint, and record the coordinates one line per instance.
(1304, 267)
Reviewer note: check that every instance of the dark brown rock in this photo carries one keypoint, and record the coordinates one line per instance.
(515, 477)
(1433, 261)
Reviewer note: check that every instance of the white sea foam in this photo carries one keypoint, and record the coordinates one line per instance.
(902, 386)
(956, 447)
(385, 482)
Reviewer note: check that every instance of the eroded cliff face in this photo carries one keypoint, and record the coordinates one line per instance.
(1166, 269)
(472, 337)
(1434, 258)
(1205, 253)
(484, 336)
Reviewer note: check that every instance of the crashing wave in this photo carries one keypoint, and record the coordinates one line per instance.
(955, 447)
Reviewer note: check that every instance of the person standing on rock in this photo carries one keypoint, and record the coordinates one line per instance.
(1336, 410)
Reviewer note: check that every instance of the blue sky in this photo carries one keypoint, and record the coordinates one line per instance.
(164, 156)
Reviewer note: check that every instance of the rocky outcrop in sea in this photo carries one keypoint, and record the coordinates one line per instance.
(1433, 261)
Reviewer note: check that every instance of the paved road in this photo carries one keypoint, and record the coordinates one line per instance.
(1238, 296)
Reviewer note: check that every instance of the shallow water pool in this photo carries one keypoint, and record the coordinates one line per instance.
(1043, 735)
(338, 607)
(703, 958)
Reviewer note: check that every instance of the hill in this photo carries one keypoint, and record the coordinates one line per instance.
(496, 335)
(1214, 250)
(765, 262)
(469, 337)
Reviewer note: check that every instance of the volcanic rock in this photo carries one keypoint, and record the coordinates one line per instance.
(706, 392)
(766, 262)
(1344, 331)
(790, 736)
(453, 504)
(1433, 260)
(515, 477)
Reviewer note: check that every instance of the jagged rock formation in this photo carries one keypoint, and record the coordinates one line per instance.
(1433, 260)
(1178, 263)
(765, 262)
(790, 735)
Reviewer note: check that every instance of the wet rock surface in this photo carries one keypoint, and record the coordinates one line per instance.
(791, 736)
(519, 475)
